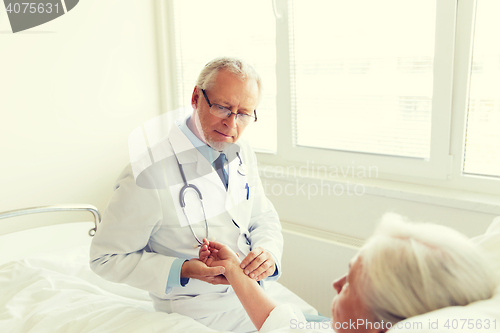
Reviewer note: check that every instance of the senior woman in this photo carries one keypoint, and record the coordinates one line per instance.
(404, 270)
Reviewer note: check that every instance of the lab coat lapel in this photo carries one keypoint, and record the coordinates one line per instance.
(236, 185)
(183, 148)
(186, 153)
(205, 169)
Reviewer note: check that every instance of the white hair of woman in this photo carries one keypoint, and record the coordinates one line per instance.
(240, 68)
(412, 268)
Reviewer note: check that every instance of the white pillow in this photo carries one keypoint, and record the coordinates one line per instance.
(490, 243)
(475, 317)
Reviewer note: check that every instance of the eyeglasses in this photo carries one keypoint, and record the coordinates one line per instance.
(222, 112)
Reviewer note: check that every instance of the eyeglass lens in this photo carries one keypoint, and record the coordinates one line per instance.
(222, 112)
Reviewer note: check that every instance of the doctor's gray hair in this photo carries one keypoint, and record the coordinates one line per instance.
(409, 269)
(240, 68)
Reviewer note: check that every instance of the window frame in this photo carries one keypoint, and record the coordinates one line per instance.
(453, 54)
(462, 73)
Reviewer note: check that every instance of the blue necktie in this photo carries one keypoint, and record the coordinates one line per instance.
(219, 167)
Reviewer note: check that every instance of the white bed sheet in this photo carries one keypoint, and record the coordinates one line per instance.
(57, 292)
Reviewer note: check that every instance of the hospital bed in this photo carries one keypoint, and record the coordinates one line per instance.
(46, 285)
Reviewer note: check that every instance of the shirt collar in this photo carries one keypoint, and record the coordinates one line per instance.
(208, 152)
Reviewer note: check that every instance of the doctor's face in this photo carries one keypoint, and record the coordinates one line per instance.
(232, 93)
(348, 308)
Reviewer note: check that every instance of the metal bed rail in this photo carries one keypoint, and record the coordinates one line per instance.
(56, 208)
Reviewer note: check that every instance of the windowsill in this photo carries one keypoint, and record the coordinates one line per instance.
(322, 235)
(467, 200)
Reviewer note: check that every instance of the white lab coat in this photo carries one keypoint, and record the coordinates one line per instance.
(143, 229)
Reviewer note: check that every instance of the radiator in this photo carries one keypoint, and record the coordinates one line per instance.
(312, 260)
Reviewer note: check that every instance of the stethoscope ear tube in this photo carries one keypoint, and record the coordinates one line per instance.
(182, 193)
(182, 202)
(241, 167)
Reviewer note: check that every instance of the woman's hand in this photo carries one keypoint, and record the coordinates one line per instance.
(254, 299)
(217, 254)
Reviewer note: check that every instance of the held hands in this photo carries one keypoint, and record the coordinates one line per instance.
(258, 264)
(217, 254)
(253, 298)
(196, 269)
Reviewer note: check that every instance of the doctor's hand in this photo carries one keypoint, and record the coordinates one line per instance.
(258, 264)
(197, 269)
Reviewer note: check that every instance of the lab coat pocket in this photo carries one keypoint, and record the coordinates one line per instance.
(244, 207)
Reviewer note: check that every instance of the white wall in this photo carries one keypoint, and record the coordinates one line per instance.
(71, 92)
(357, 215)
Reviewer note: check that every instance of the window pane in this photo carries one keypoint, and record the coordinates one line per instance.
(364, 75)
(482, 145)
(245, 29)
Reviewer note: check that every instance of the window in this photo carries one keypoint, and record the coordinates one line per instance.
(410, 87)
(370, 83)
(361, 84)
(244, 29)
(482, 144)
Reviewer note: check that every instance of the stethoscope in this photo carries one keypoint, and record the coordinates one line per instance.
(187, 186)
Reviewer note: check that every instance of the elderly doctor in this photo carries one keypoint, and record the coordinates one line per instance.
(203, 183)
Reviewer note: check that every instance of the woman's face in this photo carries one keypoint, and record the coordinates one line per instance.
(349, 312)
